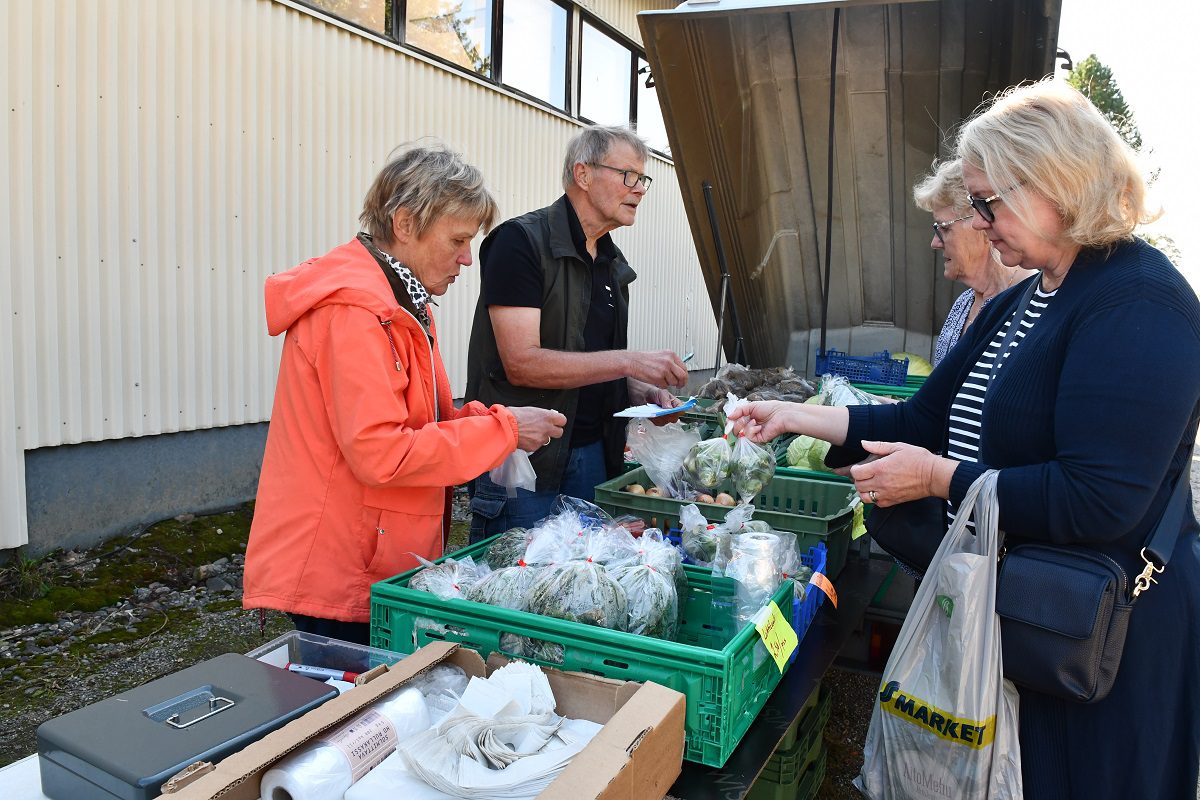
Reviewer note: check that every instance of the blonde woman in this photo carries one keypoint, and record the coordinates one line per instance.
(967, 256)
(1090, 419)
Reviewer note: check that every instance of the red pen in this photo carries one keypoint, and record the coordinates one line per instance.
(321, 673)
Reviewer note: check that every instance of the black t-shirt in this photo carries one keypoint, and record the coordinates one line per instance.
(512, 276)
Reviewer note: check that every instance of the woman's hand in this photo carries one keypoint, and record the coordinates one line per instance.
(537, 426)
(763, 420)
(900, 473)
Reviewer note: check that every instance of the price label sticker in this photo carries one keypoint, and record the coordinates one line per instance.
(777, 634)
(821, 582)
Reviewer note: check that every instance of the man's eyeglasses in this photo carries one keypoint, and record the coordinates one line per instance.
(939, 227)
(983, 205)
(631, 177)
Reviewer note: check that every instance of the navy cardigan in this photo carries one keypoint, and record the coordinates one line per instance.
(1089, 422)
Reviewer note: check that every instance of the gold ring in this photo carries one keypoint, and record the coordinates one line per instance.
(874, 497)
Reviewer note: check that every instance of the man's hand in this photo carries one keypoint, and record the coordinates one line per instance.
(661, 368)
(537, 426)
(641, 393)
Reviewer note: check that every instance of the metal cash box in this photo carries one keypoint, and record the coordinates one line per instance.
(125, 747)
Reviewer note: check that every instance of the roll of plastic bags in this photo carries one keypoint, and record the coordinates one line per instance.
(327, 767)
(754, 563)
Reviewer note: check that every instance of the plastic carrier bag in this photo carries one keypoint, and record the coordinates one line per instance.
(515, 472)
(661, 450)
(945, 720)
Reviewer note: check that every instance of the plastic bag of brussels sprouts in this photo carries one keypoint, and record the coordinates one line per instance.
(651, 600)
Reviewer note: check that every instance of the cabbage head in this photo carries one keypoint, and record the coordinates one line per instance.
(805, 452)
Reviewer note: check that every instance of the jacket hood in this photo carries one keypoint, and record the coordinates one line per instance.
(346, 275)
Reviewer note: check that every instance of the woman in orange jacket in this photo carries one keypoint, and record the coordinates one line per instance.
(364, 438)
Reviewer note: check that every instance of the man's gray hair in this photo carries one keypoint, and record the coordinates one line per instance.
(593, 144)
(429, 182)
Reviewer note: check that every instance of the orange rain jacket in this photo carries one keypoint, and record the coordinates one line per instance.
(364, 441)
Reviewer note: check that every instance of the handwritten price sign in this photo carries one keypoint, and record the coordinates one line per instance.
(777, 634)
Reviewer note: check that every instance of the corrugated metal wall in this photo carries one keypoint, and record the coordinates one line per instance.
(165, 156)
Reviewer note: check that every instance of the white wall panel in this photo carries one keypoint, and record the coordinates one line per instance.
(622, 14)
(166, 156)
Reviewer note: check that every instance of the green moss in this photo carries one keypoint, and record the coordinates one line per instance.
(218, 606)
(168, 552)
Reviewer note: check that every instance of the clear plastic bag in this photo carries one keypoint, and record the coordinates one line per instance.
(449, 579)
(509, 548)
(515, 472)
(652, 601)
(945, 720)
(579, 591)
(507, 587)
(661, 450)
(703, 541)
(707, 464)
(751, 465)
(837, 391)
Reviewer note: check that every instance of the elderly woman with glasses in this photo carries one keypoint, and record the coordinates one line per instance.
(967, 256)
(365, 438)
(1089, 412)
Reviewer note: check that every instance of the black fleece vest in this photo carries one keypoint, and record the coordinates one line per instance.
(566, 293)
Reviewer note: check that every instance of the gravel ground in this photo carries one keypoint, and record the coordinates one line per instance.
(49, 669)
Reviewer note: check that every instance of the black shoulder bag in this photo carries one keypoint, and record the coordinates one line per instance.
(1064, 609)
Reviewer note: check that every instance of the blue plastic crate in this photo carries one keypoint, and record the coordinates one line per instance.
(804, 612)
(878, 368)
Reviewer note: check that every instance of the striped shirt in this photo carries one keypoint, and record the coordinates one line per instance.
(966, 412)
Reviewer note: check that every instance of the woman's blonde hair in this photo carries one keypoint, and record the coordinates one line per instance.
(428, 181)
(1050, 139)
(943, 188)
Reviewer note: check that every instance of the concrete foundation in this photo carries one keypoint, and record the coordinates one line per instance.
(82, 494)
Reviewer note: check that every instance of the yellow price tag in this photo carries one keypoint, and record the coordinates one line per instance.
(777, 634)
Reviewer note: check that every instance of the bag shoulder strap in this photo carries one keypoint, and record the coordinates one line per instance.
(1161, 540)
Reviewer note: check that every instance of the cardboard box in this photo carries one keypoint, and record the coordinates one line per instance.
(637, 755)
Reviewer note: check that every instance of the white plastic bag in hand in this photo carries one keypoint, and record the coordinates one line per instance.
(515, 473)
(945, 721)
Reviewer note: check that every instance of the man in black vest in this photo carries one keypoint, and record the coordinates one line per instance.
(550, 328)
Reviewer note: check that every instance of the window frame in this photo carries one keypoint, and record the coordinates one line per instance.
(588, 18)
(572, 65)
(568, 58)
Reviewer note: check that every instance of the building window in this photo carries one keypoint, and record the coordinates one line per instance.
(534, 49)
(459, 31)
(605, 70)
(650, 125)
(369, 14)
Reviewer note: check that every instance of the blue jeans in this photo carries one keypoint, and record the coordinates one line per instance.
(493, 511)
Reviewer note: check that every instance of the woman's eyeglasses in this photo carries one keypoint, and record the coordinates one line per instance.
(939, 227)
(631, 177)
(983, 205)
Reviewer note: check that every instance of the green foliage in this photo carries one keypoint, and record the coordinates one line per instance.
(1167, 245)
(21, 579)
(1096, 82)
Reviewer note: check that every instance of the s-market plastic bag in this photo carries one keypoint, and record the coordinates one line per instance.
(945, 723)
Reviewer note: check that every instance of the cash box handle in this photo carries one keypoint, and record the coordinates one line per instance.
(174, 722)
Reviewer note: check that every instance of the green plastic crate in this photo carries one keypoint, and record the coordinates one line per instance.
(813, 714)
(884, 390)
(810, 781)
(725, 674)
(788, 764)
(814, 510)
(799, 784)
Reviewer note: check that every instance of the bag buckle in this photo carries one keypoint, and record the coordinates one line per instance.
(1143, 581)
